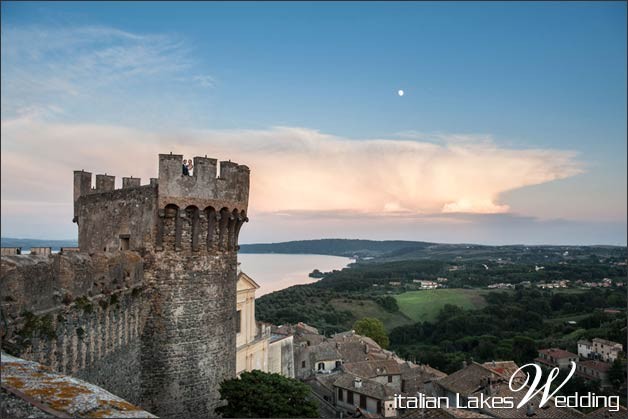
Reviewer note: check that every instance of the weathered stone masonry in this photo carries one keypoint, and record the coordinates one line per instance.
(168, 339)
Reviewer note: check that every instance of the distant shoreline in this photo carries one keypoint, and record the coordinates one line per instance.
(352, 248)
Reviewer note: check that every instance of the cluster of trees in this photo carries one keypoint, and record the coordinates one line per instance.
(511, 326)
(337, 247)
(258, 394)
(362, 276)
(304, 303)
(374, 329)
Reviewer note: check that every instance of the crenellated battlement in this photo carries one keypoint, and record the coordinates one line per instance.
(104, 183)
(201, 212)
(206, 186)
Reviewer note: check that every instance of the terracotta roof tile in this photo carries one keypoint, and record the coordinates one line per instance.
(369, 388)
(374, 368)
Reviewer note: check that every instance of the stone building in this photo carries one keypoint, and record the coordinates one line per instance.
(556, 357)
(252, 339)
(353, 392)
(381, 371)
(147, 307)
(594, 370)
(602, 349)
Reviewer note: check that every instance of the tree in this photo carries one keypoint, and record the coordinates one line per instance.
(388, 303)
(523, 349)
(373, 328)
(258, 394)
(617, 373)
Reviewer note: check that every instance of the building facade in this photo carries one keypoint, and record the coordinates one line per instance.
(257, 347)
(602, 349)
(555, 357)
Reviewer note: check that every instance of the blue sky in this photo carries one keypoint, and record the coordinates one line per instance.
(544, 83)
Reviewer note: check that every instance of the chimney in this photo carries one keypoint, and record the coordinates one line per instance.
(530, 410)
(357, 382)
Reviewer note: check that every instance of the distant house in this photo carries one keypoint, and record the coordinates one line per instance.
(354, 393)
(322, 358)
(555, 357)
(594, 370)
(356, 348)
(501, 285)
(394, 283)
(426, 285)
(506, 369)
(418, 378)
(554, 284)
(611, 311)
(386, 371)
(601, 349)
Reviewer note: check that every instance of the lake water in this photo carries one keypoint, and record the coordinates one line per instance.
(274, 271)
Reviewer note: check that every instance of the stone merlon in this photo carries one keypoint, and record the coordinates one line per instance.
(230, 189)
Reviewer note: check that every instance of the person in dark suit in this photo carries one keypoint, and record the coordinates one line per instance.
(186, 172)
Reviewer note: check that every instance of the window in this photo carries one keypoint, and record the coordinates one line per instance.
(390, 377)
(362, 401)
(302, 364)
(238, 321)
(349, 396)
(321, 366)
(124, 241)
(339, 394)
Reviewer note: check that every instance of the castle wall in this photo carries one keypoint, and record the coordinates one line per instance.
(80, 315)
(107, 219)
(169, 346)
(189, 339)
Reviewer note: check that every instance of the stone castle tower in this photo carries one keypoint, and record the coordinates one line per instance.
(185, 228)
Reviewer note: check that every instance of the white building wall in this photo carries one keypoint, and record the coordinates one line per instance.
(584, 350)
(281, 357)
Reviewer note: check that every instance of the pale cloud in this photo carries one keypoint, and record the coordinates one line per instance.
(44, 66)
(293, 170)
(204, 80)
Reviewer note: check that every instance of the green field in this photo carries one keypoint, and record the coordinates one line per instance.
(425, 305)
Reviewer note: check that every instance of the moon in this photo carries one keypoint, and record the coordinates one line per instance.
(400, 92)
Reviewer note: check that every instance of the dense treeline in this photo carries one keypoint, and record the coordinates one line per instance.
(303, 303)
(391, 250)
(511, 326)
(395, 250)
(364, 276)
(469, 274)
(336, 247)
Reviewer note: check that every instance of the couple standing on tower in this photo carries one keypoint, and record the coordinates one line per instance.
(187, 167)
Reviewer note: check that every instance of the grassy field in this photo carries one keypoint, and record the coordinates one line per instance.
(365, 308)
(425, 305)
